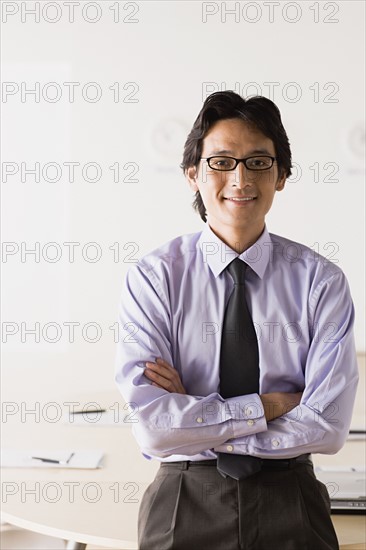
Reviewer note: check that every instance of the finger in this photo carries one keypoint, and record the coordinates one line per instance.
(158, 369)
(172, 374)
(166, 383)
(164, 370)
(161, 361)
(169, 380)
(156, 366)
(165, 387)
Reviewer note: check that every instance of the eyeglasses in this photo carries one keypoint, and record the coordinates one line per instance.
(224, 164)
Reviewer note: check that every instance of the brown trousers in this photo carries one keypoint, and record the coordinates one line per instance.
(192, 507)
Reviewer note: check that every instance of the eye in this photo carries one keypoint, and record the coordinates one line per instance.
(255, 162)
(259, 163)
(222, 163)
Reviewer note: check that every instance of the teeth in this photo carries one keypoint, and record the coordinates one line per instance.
(242, 199)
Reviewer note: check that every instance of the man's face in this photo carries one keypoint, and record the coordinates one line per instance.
(235, 138)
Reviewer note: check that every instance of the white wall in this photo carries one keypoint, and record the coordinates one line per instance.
(166, 59)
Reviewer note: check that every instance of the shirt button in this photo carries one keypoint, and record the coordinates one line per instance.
(275, 442)
(229, 448)
(248, 411)
(199, 419)
(250, 422)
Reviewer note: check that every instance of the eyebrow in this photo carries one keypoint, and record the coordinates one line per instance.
(231, 153)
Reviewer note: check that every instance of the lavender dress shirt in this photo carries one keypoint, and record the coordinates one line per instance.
(172, 306)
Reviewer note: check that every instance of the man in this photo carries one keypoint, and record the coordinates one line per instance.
(234, 426)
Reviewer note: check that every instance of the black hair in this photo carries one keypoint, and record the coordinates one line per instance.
(258, 111)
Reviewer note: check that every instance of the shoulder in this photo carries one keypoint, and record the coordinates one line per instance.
(293, 255)
(303, 268)
(171, 258)
(181, 248)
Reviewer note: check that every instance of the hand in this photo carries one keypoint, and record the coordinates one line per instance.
(278, 403)
(164, 376)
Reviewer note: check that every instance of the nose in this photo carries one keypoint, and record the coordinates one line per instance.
(242, 176)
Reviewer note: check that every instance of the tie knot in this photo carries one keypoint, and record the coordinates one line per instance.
(237, 269)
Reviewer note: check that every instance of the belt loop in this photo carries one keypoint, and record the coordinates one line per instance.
(185, 464)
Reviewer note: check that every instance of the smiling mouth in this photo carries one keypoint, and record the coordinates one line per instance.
(240, 199)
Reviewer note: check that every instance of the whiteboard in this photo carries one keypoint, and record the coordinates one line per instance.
(117, 88)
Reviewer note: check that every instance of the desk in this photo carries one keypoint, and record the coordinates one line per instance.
(100, 506)
(97, 507)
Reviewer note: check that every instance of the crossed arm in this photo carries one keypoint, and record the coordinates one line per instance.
(166, 377)
(172, 422)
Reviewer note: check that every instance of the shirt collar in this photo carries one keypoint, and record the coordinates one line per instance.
(218, 255)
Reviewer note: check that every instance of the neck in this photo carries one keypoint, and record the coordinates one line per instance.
(238, 240)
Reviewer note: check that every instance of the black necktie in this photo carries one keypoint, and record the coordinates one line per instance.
(239, 364)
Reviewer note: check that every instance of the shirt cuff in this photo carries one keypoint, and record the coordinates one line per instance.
(247, 414)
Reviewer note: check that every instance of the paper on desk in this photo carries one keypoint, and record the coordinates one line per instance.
(84, 459)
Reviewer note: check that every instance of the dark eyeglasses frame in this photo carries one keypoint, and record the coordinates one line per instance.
(244, 161)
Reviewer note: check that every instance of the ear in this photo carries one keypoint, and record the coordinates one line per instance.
(191, 176)
(281, 182)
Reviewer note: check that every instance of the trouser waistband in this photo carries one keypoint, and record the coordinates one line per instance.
(265, 463)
